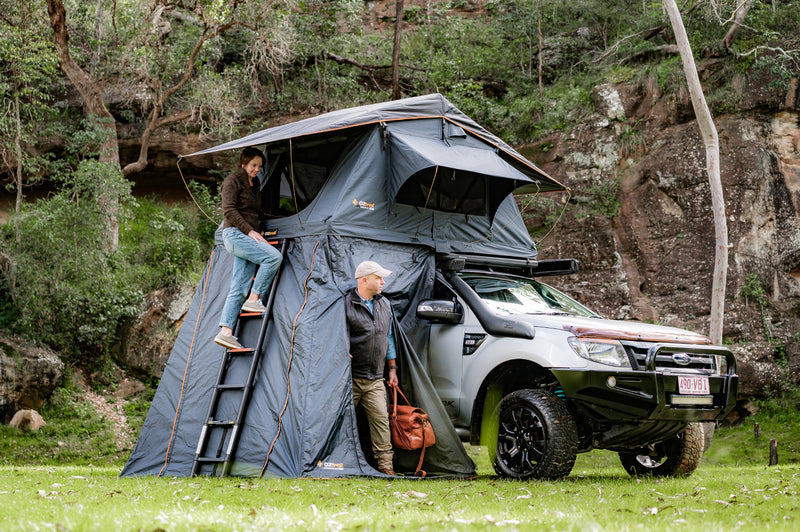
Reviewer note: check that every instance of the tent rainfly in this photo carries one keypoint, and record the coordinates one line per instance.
(395, 182)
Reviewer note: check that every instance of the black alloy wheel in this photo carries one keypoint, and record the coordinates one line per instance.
(536, 438)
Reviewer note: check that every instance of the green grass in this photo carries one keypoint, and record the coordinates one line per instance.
(95, 498)
(45, 487)
(74, 434)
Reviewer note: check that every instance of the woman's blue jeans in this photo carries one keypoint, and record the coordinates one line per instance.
(248, 255)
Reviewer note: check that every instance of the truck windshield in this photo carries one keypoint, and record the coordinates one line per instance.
(518, 295)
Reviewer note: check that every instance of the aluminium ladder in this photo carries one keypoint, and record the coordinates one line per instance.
(221, 436)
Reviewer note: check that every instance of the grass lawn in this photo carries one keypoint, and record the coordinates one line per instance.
(598, 495)
(48, 482)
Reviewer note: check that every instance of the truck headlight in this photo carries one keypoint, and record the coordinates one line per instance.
(608, 352)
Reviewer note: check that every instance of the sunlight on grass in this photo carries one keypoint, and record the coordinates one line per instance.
(592, 498)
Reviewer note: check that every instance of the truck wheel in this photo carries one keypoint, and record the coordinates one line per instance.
(675, 457)
(536, 436)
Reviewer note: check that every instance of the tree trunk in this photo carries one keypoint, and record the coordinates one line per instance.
(93, 105)
(711, 142)
(398, 24)
(154, 119)
(737, 23)
(88, 89)
(541, 42)
(18, 148)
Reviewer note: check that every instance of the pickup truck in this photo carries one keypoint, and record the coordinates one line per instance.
(537, 377)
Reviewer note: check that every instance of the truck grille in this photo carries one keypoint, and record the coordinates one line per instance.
(672, 359)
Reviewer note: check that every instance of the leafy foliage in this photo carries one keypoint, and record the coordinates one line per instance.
(27, 73)
(164, 243)
(68, 288)
(73, 291)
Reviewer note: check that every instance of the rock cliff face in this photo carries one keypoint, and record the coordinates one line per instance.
(28, 376)
(146, 342)
(641, 159)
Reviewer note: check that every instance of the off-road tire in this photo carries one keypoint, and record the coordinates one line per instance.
(537, 437)
(675, 457)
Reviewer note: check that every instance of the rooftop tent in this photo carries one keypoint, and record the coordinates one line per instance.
(404, 171)
(394, 182)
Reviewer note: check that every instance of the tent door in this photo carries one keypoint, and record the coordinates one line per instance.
(231, 394)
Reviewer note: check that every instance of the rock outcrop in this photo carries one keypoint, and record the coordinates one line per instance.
(640, 223)
(146, 341)
(27, 420)
(28, 376)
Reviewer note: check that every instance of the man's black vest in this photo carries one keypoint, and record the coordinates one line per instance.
(368, 334)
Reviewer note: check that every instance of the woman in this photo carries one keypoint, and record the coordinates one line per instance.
(241, 203)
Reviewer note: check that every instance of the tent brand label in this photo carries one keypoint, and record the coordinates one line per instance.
(364, 205)
(329, 465)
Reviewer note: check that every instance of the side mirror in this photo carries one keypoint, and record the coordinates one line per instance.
(440, 310)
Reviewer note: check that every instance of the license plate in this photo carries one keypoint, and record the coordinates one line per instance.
(693, 385)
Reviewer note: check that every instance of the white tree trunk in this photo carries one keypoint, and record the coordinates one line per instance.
(741, 13)
(711, 141)
(18, 148)
(398, 28)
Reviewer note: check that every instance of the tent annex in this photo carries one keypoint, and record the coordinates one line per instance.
(396, 182)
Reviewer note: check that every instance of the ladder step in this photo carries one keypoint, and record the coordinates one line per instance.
(230, 386)
(210, 460)
(220, 423)
(250, 314)
(242, 351)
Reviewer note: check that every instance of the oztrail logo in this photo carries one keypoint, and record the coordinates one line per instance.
(329, 465)
(364, 205)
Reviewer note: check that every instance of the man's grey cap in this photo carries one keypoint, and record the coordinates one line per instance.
(368, 266)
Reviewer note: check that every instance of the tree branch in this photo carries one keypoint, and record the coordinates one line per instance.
(786, 53)
(154, 120)
(741, 13)
(669, 49)
(369, 68)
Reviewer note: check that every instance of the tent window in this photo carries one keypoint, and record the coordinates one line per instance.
(453, 191)
(309, 164)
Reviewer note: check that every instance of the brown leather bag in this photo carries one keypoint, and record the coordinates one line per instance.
(411, 428)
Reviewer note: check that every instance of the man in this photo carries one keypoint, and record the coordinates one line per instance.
(372, 346)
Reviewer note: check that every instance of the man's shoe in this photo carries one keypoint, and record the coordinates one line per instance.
(228, 341)
(388, 471)
(254, 306)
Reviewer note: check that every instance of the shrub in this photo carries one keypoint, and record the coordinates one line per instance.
(166, 243)
(68, 286)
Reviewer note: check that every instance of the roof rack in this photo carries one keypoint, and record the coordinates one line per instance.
(449, 262)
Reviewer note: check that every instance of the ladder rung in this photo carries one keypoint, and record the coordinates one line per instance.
(230, 386)
(250, 314)
(242, 351)
(220, 423)
(210, 460)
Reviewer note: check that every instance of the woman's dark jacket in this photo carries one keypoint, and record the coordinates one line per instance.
(241, 203)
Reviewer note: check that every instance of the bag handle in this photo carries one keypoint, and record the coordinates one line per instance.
(421, 472)
(395, 389)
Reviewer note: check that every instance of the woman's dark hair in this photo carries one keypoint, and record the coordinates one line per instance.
(250, 153)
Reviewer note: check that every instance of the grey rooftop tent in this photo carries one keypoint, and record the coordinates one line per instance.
(396, 182)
